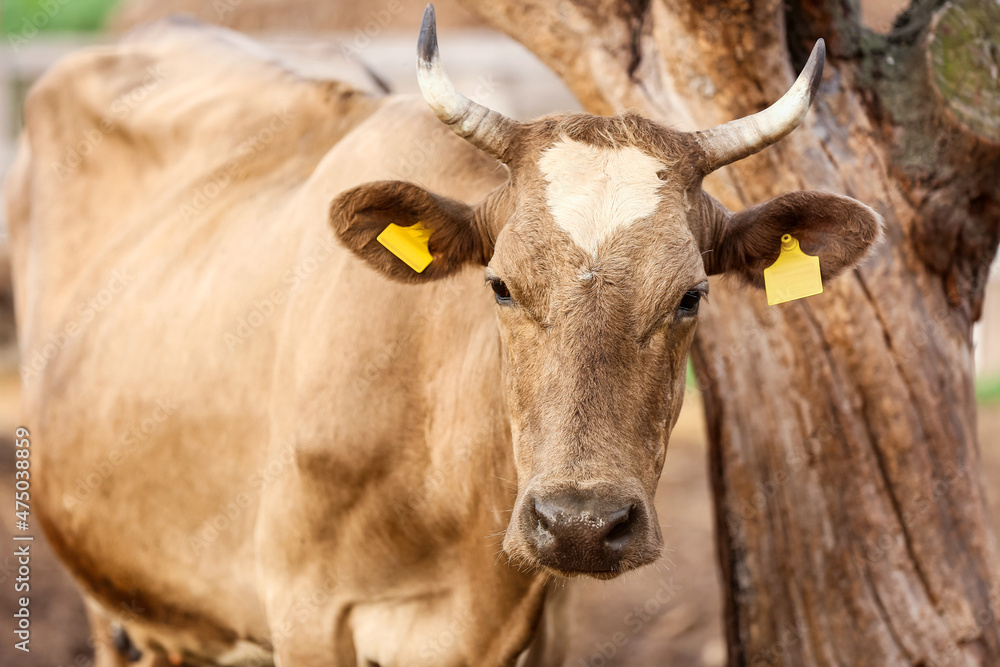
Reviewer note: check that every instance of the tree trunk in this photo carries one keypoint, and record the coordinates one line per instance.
(852, 526)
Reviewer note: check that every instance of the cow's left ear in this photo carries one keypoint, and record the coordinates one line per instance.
(359, 215)
(837, 229)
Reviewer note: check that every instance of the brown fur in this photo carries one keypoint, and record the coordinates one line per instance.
(405, 427)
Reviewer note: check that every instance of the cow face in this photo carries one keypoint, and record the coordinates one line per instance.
(597, 252)
(598, 281)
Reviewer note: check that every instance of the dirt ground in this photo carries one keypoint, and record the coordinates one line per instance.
(664, 615)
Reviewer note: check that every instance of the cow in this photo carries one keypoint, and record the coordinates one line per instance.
(260, 437)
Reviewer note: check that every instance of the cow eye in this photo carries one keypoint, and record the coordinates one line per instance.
(501, 292)
(689, 303)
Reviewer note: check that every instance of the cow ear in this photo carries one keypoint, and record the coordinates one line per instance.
(837, 229)
(359, 215)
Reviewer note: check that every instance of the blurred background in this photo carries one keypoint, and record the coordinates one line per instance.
(670, 614)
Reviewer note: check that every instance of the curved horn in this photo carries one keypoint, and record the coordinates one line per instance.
(741, 138)
(485, 129)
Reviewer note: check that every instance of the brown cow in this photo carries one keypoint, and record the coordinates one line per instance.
(256, 439)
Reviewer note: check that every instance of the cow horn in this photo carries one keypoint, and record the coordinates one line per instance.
(484, 128)
(740, 138)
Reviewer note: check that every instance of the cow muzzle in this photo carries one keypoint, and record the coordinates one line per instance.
(577, 531)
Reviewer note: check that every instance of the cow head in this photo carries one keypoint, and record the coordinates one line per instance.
(597, 251)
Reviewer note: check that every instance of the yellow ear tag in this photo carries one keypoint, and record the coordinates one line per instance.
(794, 275)
(408, 243)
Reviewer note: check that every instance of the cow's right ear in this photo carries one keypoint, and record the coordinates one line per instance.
(360, 214)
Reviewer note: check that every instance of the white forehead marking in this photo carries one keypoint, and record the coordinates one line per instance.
(593, 191)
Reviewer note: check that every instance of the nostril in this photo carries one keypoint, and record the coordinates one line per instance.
(544, 513)
(619, 535)
(621, 528)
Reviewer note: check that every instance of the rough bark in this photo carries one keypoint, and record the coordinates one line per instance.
(851, 521)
